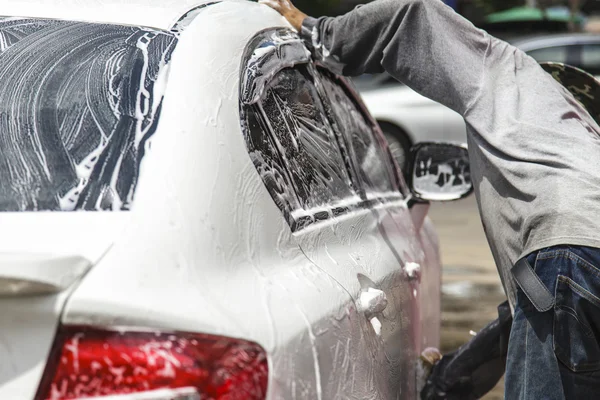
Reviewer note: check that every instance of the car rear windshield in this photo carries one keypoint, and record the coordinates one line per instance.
(78, 105)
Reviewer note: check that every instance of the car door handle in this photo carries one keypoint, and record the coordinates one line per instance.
(372, 301)
(413, 270)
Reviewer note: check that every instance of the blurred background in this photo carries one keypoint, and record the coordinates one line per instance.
(565, 31)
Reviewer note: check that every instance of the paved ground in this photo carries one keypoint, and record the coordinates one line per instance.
(471, 286)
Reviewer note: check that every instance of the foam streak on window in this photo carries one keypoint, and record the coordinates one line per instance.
(269, 165)
(371, 160)
(78, 105)
(306, 141)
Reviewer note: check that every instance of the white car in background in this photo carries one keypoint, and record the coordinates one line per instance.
(407, 118)
(192, 209)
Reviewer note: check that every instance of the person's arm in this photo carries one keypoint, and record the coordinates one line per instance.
(423, 43)
(285, 7)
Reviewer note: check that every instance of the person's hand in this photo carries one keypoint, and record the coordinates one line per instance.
(285, 7)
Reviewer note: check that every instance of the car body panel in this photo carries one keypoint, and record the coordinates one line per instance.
(44, 254)
(28, 322)
(378, 246)
(206, 249)
(236, 273)
(24, 348)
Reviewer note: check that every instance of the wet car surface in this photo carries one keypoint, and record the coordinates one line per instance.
(194, 207)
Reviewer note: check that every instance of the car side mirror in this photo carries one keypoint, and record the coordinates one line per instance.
(440, 172)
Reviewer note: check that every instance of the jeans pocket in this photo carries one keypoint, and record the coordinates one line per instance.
(577, 325)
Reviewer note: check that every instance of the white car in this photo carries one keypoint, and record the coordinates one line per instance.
(407, 118)
(192, 209)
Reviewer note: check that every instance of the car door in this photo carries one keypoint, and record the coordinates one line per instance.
(312, 165)
(400, 223)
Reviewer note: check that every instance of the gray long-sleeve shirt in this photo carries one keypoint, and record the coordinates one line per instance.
(535, 151)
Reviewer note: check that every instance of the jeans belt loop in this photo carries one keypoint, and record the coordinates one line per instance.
(532, 286)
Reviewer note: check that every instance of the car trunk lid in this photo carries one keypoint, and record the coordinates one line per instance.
(42, 256)
(39, 274)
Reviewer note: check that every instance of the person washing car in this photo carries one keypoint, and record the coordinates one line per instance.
(535, 164)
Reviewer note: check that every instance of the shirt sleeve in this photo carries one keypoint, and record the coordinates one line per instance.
(422, 43)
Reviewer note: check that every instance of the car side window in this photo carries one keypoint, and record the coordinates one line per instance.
(307, 142)
(590, 58)
(269, 165)
(366, 147)
(558, 54)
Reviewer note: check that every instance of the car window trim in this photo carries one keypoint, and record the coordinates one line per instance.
(401, 190)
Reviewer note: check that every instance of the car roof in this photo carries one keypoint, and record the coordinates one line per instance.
(549, 40)
(161, 14)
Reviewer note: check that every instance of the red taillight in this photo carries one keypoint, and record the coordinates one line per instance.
(88, 362)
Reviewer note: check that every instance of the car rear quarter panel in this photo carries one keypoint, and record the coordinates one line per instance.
(207, 249)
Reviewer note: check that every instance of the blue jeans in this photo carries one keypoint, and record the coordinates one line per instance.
(556, 354)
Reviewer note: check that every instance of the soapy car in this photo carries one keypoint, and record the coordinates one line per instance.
(192, 208)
